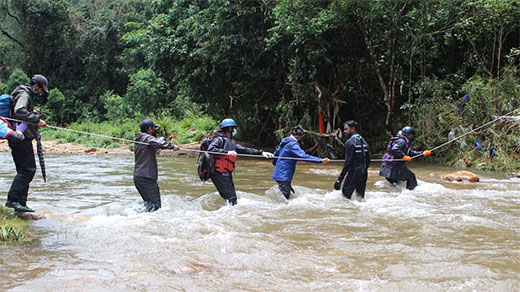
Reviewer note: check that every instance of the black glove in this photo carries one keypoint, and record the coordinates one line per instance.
(337, 185)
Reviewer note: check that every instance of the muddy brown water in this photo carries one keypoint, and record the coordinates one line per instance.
(440, 237)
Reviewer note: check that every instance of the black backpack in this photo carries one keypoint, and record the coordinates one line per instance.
(205, 161)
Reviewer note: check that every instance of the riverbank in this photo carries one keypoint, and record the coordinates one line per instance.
(12, 227)
(56, 147)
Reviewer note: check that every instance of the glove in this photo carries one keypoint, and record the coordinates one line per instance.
(426, 153)
(407, 158)
(267, 154)
(337, 185)
(232, 153)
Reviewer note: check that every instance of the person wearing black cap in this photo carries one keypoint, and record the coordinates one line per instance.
(393, 167)
(22, 152)
(283, 167)
(357, 160)
(145, 170)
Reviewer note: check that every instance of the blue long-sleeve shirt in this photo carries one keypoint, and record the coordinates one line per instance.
(284, 168)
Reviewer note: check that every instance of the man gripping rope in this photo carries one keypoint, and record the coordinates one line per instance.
(393, 168)
(22, 152)
(224, 163)
(284, 168)
(145, 170)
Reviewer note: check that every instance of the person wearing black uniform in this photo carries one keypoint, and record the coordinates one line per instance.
(224, 163)
(393, 167)
(357, 160)
(145, 169)
(23, 152)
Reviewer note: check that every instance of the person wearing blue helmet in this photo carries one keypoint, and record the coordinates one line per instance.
(224, 164)
(393, 167)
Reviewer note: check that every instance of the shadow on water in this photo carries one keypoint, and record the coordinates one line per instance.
(441, 236)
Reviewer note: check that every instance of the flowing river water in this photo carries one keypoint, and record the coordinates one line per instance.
(440, 237)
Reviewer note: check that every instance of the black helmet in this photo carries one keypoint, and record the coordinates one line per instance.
(407, 131)
(298, 131)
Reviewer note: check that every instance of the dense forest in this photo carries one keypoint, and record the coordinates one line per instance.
(441, 66)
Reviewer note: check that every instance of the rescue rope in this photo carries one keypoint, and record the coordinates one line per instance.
(261, 156)
(474, 130)
(83, 132)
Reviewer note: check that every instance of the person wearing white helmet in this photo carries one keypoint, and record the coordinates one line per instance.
(224, 165)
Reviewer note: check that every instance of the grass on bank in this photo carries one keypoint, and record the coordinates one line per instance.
(13, 228)
(192, 128)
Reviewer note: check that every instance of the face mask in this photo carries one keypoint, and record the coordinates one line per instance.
(234, 132)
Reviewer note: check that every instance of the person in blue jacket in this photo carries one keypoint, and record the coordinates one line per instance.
(284, 168)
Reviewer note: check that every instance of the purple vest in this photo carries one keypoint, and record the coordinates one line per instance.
(388, 158)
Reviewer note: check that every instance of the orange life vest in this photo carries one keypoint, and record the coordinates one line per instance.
(225, 163)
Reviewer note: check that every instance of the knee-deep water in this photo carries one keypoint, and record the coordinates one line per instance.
(440, 237)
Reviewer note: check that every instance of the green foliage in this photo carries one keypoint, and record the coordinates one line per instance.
(438, 121)
(261, 62)
(55, 107)
(13, 228)
(146, 92)
(17, 77)
(191, 128)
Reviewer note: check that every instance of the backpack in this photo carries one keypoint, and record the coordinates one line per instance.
(205, 162)
(6, 104)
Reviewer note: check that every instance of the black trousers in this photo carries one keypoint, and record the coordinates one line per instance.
(356, 180)
(225, 186)
(286, 188)
(405, 174)
(23, 156)
(149, 191)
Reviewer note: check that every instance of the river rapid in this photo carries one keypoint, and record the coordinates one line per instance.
(440, 237)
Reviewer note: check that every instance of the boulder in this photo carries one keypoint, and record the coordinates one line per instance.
(461, 176)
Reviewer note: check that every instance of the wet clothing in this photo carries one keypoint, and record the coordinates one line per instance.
(225, 164)
(145, 169)
(225, 186)
(284, 168)
(395, 171)
(149, 191)
(286, 188)
(22, 151)
(22, 98)
(357, 161)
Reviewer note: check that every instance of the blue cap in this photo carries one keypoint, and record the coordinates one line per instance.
(227, 123)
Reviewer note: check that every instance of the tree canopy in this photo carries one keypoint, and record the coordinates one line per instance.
(270, 64)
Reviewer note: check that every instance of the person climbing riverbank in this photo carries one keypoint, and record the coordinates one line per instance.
(357, 161)
(222, 176)
(145, 169)
(393, 168)
(284, 168)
